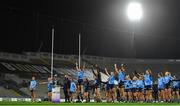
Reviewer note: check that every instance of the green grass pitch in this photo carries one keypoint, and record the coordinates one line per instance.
(84, 104)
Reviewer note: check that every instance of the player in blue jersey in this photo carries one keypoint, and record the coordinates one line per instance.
(121, 75)
(161, 87)
(127, 88)
(80, 78)
(86, 90)
(134, 89)
(175, 87)
(140, 86)
(32, 87)
(148, 85)
(107, 91)
(111, 80)
(49, 88)
(167, 80)
(97, 83)
(72, 90)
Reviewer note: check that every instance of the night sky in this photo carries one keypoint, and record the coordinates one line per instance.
(106, 31)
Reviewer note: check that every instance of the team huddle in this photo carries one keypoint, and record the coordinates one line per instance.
(139, 87)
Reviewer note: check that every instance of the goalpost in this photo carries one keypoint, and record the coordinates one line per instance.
(52, 51)
(56, 88)
(79, 50)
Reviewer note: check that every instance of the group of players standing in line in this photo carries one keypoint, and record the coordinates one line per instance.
(136, 88)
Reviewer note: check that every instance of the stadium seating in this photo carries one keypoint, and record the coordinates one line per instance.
(8, 93)
(16, 72)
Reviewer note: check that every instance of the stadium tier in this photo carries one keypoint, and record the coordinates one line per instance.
(17, 69)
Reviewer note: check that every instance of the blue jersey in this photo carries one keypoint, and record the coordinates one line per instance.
(72, 87)
(147, 80)
(80, 74)
(167, 79)
(134, 84)
(111, 80)
(175, 84)
(127, 84)
(86, 85)
(140, 84)
(120, 76)
(161, 84)
(33, 84)
(95, 82)
(50, 86)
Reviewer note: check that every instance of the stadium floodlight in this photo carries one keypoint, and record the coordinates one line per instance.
(134, 11)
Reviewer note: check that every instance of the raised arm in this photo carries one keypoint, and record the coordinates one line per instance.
(115, 67)
(106, 72)
(84, 66)
(92, 68)
(77, 68)
(140, 74)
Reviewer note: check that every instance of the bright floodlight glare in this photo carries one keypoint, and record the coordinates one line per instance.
(134, 11)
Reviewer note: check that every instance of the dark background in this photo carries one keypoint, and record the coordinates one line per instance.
(103, 24)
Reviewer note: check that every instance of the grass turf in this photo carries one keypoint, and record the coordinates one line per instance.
(84, 104)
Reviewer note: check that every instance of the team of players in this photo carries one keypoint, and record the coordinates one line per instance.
(138, 88)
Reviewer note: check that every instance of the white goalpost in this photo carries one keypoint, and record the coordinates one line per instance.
(52, 51)
(56, 88)
(79, 50)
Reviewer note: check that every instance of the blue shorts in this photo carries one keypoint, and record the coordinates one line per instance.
(175, 89)
(127, 90)
(86, 89)
(140, 89)
(107, 87)
(148, 87)
(160, 89)
(168, 85)
(134, 89)
(120, 84)
(80, 81)
(49, 90)
(111, 86)
(71, 92)
(32, 89)
(97, 85)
